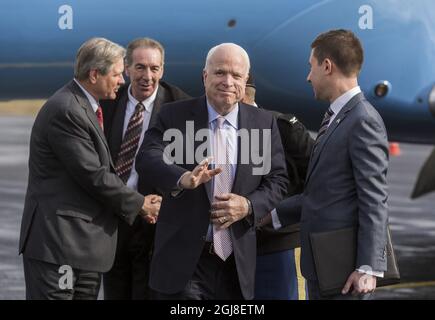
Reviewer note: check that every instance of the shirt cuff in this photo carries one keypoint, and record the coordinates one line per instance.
(275, 220)
(178, 189)
(378, 274)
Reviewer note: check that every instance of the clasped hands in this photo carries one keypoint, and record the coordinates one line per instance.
(151, 207)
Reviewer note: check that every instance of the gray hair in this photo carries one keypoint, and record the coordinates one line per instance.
(99, 54)
(147, 43)
(233, 45)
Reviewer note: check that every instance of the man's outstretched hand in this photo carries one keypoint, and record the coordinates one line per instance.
(201, 174)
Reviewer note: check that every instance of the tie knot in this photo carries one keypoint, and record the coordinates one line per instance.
(99, 111)
(99, 114)
(220, 122)
(140, 107)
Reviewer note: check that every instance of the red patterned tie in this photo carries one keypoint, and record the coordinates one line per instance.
(99, 114)
(223, 182)
(130, 142)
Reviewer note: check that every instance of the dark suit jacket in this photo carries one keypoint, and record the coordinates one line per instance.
(114, 115)
(297, 144)
(184, 220)
(73, 193)
(346, 186)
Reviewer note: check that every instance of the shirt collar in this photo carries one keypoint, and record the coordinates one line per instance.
(341, 101)
(147, 103)
(231, 117)
(92, 101)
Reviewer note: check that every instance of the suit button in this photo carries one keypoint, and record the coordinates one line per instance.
(203, 238)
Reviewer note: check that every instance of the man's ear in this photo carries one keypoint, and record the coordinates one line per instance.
(327, 66)
(126, 71)
(204, 76)
(93, 76)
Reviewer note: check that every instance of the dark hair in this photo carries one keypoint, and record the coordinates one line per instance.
(342, 47)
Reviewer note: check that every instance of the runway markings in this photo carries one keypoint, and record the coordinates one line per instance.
(301, 280)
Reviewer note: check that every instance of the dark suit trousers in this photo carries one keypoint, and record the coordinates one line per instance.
(213, 279)
(44, 280)
(128, 278)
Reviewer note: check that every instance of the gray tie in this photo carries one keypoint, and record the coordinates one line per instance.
(223, 182)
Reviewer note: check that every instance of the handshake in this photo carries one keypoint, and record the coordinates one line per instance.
(150, 208)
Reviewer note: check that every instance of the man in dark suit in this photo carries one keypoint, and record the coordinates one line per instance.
(278, 275)
(128, 278)
(205, 242)
(69, 228)
(346, 179)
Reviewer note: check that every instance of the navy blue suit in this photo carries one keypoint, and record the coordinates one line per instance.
(184, 220)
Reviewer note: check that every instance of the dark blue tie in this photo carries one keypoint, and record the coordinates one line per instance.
(324, 125)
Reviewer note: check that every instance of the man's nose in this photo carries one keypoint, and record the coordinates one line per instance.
(228, 80)
(147, 74)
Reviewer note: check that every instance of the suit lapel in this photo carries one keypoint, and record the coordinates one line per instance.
(200, 118)
(160, 99)
(315, 155)
(118, 125)
(245, 169)
(85, 104)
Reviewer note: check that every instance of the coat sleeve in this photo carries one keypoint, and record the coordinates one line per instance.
(273, 186)
(369, 156)
(289, 210)
(150, 160)
(71, 142)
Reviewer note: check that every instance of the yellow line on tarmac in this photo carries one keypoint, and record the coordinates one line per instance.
(301, 279)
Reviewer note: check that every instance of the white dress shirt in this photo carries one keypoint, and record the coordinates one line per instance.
(342, 100)
(230, 129)
(92, 101)
(131, 106)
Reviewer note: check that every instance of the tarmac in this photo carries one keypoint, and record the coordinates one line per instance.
(412, 222)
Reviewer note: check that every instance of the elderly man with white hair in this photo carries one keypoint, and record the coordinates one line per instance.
(205, 242)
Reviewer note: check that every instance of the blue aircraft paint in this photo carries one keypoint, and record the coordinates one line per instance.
(36, 56)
